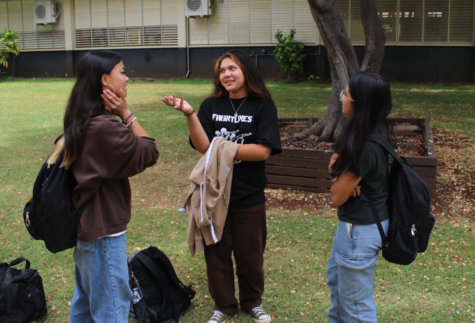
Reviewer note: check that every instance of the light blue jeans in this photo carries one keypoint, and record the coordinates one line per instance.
(351, 270)
(102, 291)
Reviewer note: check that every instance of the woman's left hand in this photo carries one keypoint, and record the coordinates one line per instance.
(178, 104)
(116, 105)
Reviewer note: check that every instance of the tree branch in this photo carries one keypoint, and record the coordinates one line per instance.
(375, 36)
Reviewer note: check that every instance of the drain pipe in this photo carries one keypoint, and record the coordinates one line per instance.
(187, 61)
(187, 47)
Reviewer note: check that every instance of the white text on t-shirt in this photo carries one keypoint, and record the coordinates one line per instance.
(224, 118)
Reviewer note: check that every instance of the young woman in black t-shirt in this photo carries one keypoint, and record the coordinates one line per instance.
(240, 110)
(367, 101)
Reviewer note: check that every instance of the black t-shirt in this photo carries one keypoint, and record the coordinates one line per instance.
(374, 169)
(256, 123)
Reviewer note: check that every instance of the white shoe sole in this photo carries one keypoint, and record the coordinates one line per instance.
(225, 320)
(267, 320)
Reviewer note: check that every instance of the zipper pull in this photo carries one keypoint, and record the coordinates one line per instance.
(413, 229)
(27, 222)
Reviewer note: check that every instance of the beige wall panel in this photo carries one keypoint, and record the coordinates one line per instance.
(239, 21)
(461, 20)
(28, 17)
(14, 15)
(198, 30)
(151, 13)
(116, 13)
(218, 24)
(169, 12)
(282, 17)
(82, 14)
(304, 22)
(98, 13)
(261, 22)
(3, 16)
(133, 13)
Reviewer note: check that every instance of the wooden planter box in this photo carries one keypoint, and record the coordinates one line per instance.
(307, 169)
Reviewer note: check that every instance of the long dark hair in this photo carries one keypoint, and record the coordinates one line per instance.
(85, 101)
(372, 104)
(254, 82)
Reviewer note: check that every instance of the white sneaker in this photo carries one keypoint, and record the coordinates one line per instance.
(218, 317)
(259, 315)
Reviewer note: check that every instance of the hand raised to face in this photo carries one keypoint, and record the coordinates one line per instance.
(116, 105)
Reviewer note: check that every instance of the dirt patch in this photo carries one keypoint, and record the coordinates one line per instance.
(456, 177)
(455, 180)
(297, 200)
(449, 139)
(406, 145)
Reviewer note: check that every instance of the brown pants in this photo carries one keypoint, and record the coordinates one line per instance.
(244, 234)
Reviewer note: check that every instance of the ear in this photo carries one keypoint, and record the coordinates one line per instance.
(104, 80)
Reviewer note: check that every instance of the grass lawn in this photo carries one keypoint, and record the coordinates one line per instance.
(438, 287)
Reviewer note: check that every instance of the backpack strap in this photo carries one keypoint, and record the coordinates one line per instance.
(154, 271)
(36, 298)
(171, 272)
(20, 260)
(365, 191)
(387, 145)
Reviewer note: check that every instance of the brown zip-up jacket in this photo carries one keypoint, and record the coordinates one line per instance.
(110, 155)
(208, 197)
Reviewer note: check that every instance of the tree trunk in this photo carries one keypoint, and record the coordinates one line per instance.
(342, 59)
(12, 66)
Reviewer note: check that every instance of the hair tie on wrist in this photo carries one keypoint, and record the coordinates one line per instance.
(125, 120)
(131, 122)
(189, 114)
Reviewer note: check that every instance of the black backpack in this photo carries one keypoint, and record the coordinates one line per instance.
(49, 215)
(159, 295)
(409, 206)
(22, 297)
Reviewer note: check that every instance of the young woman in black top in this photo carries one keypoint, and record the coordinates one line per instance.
(240, 110)
(367, 101)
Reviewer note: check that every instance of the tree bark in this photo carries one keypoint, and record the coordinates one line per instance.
(342, 59)
(374, 35)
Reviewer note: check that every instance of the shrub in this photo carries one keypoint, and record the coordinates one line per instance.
(290, 54)
(10, 50)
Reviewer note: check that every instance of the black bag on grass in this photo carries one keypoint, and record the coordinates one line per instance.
(22, 297)
(159, 296)
(409, 206)
(49, 215)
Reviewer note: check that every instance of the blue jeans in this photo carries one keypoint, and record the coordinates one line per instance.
(102, 291)
(350, 272)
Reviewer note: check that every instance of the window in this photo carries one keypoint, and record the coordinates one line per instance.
(122, 23)
(418, 21)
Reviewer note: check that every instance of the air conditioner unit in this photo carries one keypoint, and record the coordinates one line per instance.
(198, 8)
(44, 12)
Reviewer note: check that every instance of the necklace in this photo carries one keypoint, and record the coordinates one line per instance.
(236, 111)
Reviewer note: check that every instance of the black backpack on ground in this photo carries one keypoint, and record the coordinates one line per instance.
(409, 207)
(49, 215)
(159, 296)
(22, 297)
